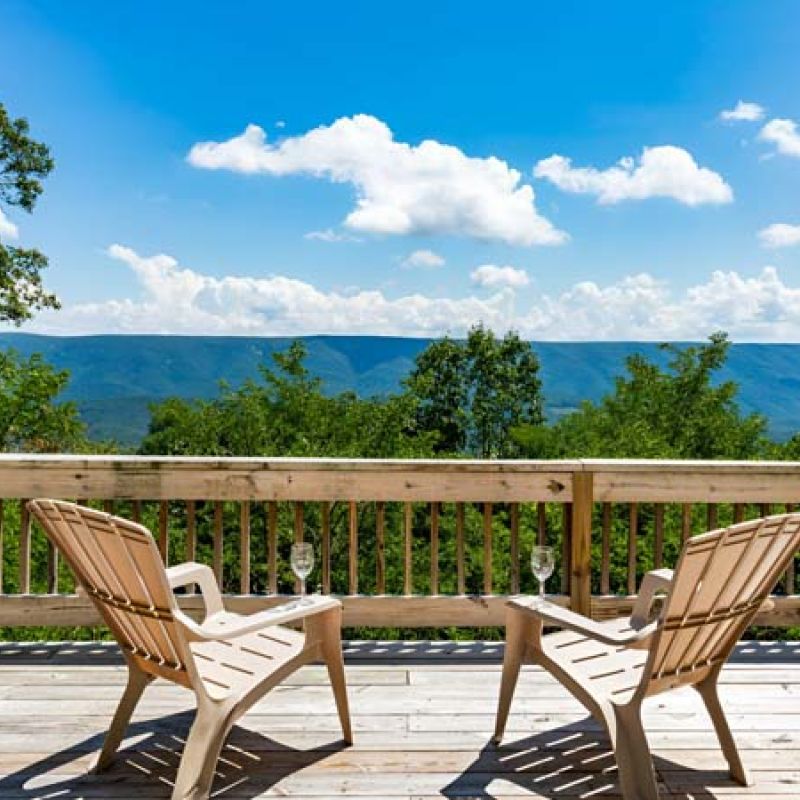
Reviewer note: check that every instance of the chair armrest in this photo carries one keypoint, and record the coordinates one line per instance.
(657, 580)
(203, 576)
(551, 614)
(222, 626)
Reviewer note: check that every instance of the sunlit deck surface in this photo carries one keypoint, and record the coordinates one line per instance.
(423, 714)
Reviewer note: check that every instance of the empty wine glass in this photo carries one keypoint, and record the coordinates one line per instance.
(302, 564)
(542, 563)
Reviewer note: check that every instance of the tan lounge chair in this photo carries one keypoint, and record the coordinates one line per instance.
(229, 661)
(721, 580)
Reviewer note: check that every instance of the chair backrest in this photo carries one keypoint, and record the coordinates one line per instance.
(118, 565)
(722, 579)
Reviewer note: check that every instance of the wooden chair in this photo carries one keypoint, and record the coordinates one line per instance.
(229, 661)
(721, 581)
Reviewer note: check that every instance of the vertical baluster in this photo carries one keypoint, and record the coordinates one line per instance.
(163, 531)
(217, 557)
(244, 547)
(790, 569)
(461, 584)
(191, 537)
(407, 551)
(658, 535)
(541, 523)
(191, 530)
(580, 545)
(24, 549)
(605, 558)
(272, 546)
(766, 509)
(514, 534)
(632, 545)
(136, 511)
(326, 548)
(487, 548)
(2, 540)
(686, 521)
(712, 517)
(108, 506)
(434, 548)
(738, 512)
(299, 524)
(353, 545)
(380, 547)
(52, 568)
(566, 528)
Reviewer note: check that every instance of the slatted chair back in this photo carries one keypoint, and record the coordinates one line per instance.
(722, 579)
(118, 565)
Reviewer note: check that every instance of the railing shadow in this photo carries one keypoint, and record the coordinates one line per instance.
(570, 761)
(250, 765)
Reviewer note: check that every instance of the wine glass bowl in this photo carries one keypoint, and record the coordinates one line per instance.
(302, 561)
(543, 563)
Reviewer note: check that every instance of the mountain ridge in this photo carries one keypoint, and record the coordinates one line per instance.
(115, 376)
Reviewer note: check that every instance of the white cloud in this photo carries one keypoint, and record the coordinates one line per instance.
(784, 135)
(779, 234)
(494, 277)
(280, 124)
(424, 259)
(174, 299)
(330, 235)
(400, 188)
(665, 171)
(743, 112)
(7, 227)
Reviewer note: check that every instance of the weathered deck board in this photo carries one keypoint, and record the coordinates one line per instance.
(423, 714)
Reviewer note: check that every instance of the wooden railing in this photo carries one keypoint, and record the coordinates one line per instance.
(404, 543)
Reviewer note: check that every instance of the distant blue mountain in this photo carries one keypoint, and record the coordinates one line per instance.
(115, 377)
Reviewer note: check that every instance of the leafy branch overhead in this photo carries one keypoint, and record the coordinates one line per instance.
(24, 163)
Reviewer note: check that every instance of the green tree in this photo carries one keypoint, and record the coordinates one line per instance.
(472, 393)
(31, 420)
(675, 412)
(24, 162)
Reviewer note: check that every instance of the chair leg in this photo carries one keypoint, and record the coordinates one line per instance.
(637, 778)
(137, 682)
(518, 631)
(708, 691)
(331, 646)
(201, 752)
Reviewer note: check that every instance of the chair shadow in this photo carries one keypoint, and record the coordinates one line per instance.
(573, 762)
(250, 764)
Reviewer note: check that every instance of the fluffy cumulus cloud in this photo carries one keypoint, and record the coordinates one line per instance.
(743, 112)
(779, 234)
(400, 188)
(665, 171)
(7, 228)
(494, 277)
(783, 133)
(423, 259)
(176, 299)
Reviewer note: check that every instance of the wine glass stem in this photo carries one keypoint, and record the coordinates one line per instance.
(302, 587)
(541, 589)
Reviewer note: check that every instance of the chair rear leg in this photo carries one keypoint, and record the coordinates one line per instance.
(637, 778)
(331, 646)
(518, 632)
(137, 682)
(708, 691)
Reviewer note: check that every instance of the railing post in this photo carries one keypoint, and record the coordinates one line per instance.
(580, 587)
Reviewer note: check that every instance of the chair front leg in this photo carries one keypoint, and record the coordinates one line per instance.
(326, 630)
(519, 636)
(709, 692)
(137, 683)
(202, 750)
(637, 778)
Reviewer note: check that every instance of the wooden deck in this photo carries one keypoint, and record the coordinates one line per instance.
(423, 714)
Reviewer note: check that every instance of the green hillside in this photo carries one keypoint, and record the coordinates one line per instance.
(115, 377)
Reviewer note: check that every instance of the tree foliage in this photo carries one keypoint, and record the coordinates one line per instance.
(24, 163)
(472, 393)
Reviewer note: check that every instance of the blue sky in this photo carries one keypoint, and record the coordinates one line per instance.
(146, 233)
